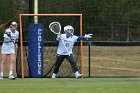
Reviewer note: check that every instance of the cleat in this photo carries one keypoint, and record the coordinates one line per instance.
(1, 77)
(11, 77)
(78, 75)
(53, 75)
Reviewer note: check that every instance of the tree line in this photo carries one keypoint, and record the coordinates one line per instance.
(106, 19)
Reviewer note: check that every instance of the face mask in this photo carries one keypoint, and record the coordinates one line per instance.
(68, 34)
(71, 31)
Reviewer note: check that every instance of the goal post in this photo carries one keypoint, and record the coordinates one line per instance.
(47, 15)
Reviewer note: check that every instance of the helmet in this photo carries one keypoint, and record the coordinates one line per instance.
(69, 29)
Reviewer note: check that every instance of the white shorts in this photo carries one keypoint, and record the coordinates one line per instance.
(8, 48)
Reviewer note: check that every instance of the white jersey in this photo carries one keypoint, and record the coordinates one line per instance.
(9, 47)
(66, 42)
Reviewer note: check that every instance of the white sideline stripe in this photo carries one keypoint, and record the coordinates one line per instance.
(127, 69)
(22, 84)
(117, 60)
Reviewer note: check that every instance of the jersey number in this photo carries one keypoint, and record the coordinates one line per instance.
(67, 44)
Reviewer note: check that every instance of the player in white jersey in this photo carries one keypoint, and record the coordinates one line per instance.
(11, 36)
(66, 42)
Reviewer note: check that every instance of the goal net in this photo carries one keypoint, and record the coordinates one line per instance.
(26, 56)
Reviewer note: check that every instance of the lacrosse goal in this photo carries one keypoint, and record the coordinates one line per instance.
(23, 66)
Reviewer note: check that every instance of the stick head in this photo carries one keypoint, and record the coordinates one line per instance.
(55, 27)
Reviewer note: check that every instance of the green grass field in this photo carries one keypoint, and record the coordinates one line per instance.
(105, 61)
(70, 85)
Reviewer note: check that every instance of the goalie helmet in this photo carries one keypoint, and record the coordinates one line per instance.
(69, 29)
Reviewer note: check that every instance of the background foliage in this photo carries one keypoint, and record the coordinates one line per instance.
(108, 20)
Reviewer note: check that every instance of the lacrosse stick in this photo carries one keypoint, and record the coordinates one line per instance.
(12, 40)
(55, 27)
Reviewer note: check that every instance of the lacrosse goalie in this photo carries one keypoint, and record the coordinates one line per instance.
(65, 45)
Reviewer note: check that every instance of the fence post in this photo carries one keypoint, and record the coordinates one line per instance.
(89, 44)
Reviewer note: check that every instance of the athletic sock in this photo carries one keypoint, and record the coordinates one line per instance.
(10, 73)
(1, 74)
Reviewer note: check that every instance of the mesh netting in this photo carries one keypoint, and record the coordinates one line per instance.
(50, 48)
(49, 61)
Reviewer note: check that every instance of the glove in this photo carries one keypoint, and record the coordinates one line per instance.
(12, 40)
(87, 36)
(16, 41)
(16, 45)
(58, 36)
